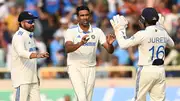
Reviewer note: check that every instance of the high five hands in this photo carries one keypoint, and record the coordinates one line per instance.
(110, 38)
(118, 22)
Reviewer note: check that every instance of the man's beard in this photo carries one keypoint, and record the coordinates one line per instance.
(85, 23)
(31, 29)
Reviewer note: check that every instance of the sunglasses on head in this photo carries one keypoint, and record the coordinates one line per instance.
(30, 21)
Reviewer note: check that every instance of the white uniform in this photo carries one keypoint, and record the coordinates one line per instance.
(24, 69)
(151, 45)
(81, 63)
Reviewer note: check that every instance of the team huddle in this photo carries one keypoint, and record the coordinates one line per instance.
(81, 42)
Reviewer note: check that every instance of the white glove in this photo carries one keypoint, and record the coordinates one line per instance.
(161, 20)
(118, 23)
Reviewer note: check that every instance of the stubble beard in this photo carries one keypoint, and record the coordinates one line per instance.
(31, 29)
(85, 23)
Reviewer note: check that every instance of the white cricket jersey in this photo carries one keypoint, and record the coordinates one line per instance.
(86, 54)
(23, 69)
(151, 43)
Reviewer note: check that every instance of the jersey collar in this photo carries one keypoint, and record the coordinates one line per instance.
(28, 33)
(89, 30)
(150, 27)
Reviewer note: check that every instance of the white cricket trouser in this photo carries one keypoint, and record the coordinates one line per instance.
(27, 92)
(150, 79)
(83, 80)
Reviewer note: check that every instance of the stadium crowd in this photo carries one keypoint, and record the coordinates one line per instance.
(55, 16)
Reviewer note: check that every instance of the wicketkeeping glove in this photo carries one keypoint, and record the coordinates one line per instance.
(161, 20)
(119, 23)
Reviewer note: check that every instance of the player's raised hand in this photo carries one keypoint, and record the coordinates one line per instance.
(161, 20)
(84, 39)
(118, 22)
(110, 38)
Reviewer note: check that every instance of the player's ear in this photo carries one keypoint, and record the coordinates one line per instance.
(22, 24)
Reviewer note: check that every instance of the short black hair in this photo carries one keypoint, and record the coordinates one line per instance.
(83, 7)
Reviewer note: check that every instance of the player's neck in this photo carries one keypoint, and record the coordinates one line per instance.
(84, 28)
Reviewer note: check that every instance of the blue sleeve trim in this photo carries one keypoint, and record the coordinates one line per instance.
(75, 26)
(20, 33)
(17, 94)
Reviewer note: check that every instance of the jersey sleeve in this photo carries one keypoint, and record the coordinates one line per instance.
(124, 42)
(68, 36)
(102, 37)
(170, 42)
(19, 46)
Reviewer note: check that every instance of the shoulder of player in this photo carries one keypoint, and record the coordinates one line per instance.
(140, 34)
(141, 31)
(73, 27)
(94, 28)
(18, 35)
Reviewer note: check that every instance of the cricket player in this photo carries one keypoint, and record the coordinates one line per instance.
(151, 42)
(24, 60)
(81, 44)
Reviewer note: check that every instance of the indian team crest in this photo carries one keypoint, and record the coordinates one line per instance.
(93, 36)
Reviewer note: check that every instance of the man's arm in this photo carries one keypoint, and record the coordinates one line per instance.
(119, 24)
(160, 22)
(18, 44)
(132, 41)
(170, 42)
(22, 52)
(71, 47)
(108, 44)
(109, 47)
(39, 55)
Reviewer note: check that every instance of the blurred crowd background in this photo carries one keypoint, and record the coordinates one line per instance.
(55, 16)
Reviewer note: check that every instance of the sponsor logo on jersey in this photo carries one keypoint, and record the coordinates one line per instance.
(90, 44)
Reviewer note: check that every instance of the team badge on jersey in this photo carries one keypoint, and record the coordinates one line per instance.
(93, 36)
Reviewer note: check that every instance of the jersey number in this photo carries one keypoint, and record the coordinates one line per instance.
(160, 50)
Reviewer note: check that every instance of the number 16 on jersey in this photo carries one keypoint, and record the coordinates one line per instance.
(158, 53)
